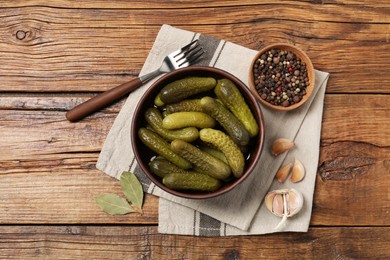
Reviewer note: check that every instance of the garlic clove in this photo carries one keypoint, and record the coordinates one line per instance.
(281, 145)
(282, 173)
(269, 198)
(278, 205)
(275, 202)
(295, 202)
(298, 171)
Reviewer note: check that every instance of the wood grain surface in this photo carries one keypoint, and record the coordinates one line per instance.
(129, 242)
(57, 54)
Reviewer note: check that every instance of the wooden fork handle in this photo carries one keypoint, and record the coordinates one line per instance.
(102, 100)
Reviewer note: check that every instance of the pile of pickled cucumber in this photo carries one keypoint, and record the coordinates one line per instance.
(200, 128)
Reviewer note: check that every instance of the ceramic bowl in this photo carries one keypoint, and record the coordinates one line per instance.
(144, 155)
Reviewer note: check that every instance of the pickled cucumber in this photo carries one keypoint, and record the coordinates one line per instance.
(191, 181)
(164, 114)
(183, 88)
(228, 121)
(154, 118)
(161, 167)
(232, 152)
(188, 119)
(157, 100)
(157, 144)
(214, 152)
(207, 163)
(229, 94)
(185, 105)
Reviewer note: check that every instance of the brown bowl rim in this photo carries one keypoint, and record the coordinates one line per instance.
(186, 71)
(309, 66)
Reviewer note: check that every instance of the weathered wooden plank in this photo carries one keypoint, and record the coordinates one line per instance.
(53, 102)
(352, 185)
(352, 180)
(132, 242)
(43, 153)
(51, 49)
(62, 192)
(134, 4)
(40, 133)
(44, 129)
(359, 118)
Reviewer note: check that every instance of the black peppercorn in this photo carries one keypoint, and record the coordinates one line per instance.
(280, 77)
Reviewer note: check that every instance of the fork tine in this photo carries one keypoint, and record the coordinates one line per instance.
(196, 56)
(192, 58)
(183, 49)
(188, 45)
(186, 56)
(179, 56)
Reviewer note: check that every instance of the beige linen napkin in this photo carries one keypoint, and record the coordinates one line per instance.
(237, 212)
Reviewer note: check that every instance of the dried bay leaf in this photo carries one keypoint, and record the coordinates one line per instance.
(113, 204)
(132, 189)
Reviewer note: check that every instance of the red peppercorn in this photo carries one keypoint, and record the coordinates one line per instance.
(279, 89)
(290, 69)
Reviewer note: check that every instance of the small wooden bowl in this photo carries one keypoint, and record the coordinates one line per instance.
(310, 73)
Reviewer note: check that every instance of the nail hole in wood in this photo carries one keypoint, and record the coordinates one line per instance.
(20, 34)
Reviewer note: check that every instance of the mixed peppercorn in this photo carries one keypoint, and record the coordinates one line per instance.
(280, 77)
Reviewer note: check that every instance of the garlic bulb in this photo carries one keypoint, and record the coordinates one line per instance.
(284, 203)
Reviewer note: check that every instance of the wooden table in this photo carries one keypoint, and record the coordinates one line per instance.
(57, 54)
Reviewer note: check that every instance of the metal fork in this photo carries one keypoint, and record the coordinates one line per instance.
(181, 58)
